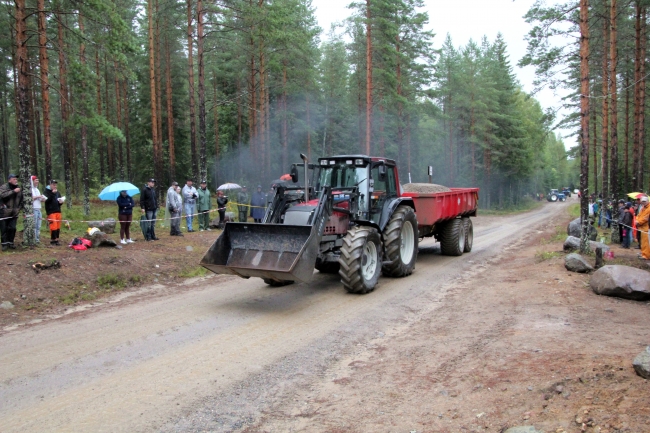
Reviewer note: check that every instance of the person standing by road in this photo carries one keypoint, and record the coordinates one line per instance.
(11, 200)
(643, 226)
(204, 206)
(189, 197)
(125, 206)
(243, 200)
(258, 204)
(175, 206)
(53, 210)
(149, 207)
(626, 223)
(38, 215)
(222, 201)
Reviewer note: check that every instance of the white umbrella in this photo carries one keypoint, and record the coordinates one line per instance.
(228, 186)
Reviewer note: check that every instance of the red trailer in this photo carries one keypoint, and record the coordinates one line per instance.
(434, 209)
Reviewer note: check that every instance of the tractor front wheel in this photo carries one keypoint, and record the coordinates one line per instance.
(360, 260)
(400, 243)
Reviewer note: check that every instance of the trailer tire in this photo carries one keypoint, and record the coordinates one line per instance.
(400, 243)
(360, 260)
(469, 234)
(275, 283)
(452, 239)
(327, 267)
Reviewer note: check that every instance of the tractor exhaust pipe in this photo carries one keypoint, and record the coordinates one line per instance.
(306, 161)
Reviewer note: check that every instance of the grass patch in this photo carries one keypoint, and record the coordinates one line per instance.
(559, 236)
(574, 210)
(527, 204)
(542, 256)
(196, 271)
(111, 281)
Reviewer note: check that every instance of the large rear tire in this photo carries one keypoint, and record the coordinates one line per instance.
(452, 239)
(400, 243)
(360, 260)
(469, 234)
(327, 267)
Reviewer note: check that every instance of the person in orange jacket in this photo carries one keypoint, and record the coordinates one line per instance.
(643, 224)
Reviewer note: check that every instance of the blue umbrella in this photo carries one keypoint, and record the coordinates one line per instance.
(113, 190)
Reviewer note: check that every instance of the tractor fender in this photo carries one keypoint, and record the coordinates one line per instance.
(388, 210)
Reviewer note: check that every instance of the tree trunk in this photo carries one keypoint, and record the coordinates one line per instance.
(637, 97)
(584, 124)
(31, 129)
(22, 64)
(45, 87)
(644, 43)
(64, 96)
(261, 135)
(382, 143)
(285, 138)
(152, 88)
(126, 131)
(400, 107)
(368, 78)
(190, 69)
(203, 164)
(4, 151)
(170, 112)
(604, 154)
(626, 183)
(99, 112)
(110, 150)
(158, 58)
(594, 145)
(118, 118)
(215, 107)
(613, 58)
(84, 131)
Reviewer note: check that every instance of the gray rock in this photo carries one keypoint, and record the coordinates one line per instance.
(107, 226)
(572, 243)
(576, 263)
(642, 363)
(523, 429)
(621, 281)
(230, 217)
(100, 239)
(575, 229)
(6, 305)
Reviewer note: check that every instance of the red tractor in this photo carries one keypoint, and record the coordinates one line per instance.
(349, 217)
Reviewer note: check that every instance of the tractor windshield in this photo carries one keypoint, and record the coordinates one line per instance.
(345, 177)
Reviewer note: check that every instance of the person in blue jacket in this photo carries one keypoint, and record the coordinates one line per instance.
(258, 205)
(125, 204)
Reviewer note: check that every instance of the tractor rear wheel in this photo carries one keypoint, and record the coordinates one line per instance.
(327, 267)
(469, 234)
(400, 243)
(452, 239)
(360, 260)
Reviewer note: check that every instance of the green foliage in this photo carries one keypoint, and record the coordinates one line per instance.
(111, 281)
(192, 272)
(542, 256)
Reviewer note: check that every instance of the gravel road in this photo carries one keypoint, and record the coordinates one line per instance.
(215, 356)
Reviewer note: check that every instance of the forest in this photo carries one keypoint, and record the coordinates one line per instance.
(232, 90)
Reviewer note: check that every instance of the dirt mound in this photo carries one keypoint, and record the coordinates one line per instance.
(424, 188)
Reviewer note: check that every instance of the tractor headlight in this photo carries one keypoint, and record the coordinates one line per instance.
(358, 162)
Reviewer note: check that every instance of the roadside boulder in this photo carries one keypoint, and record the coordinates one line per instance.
(107, 225)
(575, 229)
(572, 243)
(100, 239)
(576, 263)
(621, 281)
(642, 363)
(230, 217)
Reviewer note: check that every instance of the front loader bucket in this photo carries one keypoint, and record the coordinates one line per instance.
(273, 251)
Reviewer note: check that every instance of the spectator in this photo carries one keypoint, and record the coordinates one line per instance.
(38, 215)
(243, 200)
(204, 206)
(175, 206)
(125, 205)
(189, 197)
(643, 227)
(258, 205)
(149, 207)
(11, 200)
(222, 201)
(621, 215)
(626, 225)
(53, 210)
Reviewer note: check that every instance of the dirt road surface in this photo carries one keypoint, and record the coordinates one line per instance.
(472, 343)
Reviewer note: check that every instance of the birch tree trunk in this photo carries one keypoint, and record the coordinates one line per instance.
(584, 124)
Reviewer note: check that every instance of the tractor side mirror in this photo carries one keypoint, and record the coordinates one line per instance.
(294, 174)
(382, 173)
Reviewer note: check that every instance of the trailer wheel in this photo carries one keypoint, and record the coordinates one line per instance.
(452, 241)
(360, 260)
(400, 243)
(469, 234)
(327, 267)
(275, 283)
